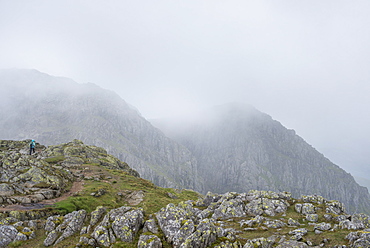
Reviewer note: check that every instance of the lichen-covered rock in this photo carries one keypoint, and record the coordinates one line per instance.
(126, 226)
(208, 199)
(229, 244)
(359, 239)
(274, 224)
(204, 236)
(317, 199)
(229, 209)
(362, 219)
(64, 227)
(357, 222)
(20, 237)
(149, 241)
(322, 226)
(350, 225)
(85, 241)
(259, 242)
(51, 238)
(256, 194)
(150, 226)
(102, 236)
(292, 244)
(292, 222)
(335, 207)
(170, 218)
(7, 235)
(307, 208)
(254, 222)
(97, 214)
(298, 233)
(312, 217)
(134, 198)
(267, 206)
(6, 190)
(52, 222)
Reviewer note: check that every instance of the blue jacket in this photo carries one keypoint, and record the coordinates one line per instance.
(32, 144)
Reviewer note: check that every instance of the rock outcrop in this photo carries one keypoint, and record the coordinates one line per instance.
(27, 179)
(199, 224)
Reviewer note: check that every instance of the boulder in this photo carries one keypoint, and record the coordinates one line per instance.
(149, 241)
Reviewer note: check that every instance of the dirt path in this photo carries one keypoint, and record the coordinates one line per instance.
(76, 187)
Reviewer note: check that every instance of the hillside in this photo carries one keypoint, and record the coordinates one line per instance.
(239, 148)
(54, 110)
(116, 208)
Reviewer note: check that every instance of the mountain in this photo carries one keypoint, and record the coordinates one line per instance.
(55, 110)
(76, 195)
(229, 148)
(239, 148)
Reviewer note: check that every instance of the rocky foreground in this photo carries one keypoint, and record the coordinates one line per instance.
(143, 215)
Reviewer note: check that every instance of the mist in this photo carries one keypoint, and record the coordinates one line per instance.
(305, 63)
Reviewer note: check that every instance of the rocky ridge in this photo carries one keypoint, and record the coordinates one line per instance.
(253, 219)
(27, 179)
(239, 148)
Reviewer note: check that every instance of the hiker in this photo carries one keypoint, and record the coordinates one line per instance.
(32, 146)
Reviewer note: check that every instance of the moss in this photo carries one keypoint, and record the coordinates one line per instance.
(18, 243)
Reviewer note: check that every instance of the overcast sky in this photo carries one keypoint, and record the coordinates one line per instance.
(305, 63)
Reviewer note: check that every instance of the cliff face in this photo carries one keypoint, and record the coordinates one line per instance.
(54, 110)
(239, 148)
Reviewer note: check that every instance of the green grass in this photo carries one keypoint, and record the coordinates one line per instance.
(155, 197)
(54, 160)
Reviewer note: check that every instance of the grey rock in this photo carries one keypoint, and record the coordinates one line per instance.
(6, 190)
(267, 206)
(350, 225)
(149, 241)
(126, 226)
(298, 233)
(362, 219)
(259, 242)
(292, 243)
(255, 221)
(229, 244)
(150, 226)
(51, 238)
(7, 235)
(335, 207)
(97, 214)
(274, 224)
(21, 237)
(292, 222)
(322, 226)
(101, 235)
(312, 217)
(50, 223)
(308, 208)
(317, 199)
(204, 236)
(229, 209)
